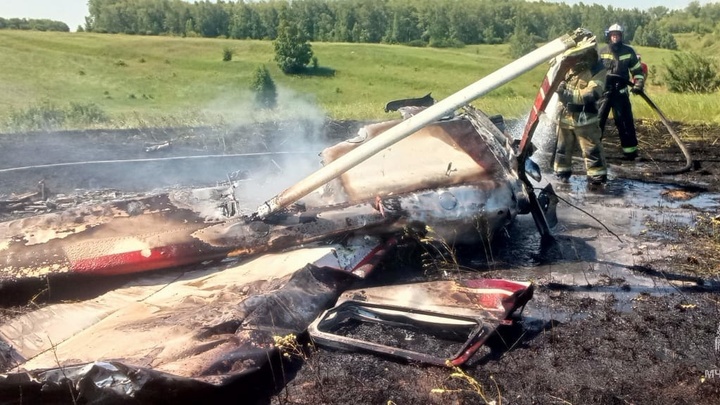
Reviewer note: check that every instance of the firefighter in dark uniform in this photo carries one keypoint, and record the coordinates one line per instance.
(621, 61)
(578, 95)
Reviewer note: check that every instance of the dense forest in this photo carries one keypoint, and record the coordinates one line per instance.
(431, 22)
(439, 23)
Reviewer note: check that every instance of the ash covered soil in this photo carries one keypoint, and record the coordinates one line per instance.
(624, 315)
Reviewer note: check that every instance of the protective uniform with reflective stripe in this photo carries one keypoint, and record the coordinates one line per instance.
(579, 121)
(621, 60)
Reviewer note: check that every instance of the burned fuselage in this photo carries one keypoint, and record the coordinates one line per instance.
(457, 177)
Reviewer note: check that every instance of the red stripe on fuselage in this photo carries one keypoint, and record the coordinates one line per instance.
(541, 96)
(538, 106)
(144, 260)
(493, 283)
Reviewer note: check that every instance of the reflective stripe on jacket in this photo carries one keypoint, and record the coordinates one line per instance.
(622, 62)
(587, 87)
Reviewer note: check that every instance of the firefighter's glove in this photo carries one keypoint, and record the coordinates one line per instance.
(561, 87)
(638, 87)
(564, 95)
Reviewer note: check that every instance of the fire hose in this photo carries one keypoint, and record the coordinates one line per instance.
(666, 122)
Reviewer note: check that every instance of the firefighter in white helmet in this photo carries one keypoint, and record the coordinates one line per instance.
(621, 62)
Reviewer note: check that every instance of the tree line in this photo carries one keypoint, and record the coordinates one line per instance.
(33, 24)
(420, 22)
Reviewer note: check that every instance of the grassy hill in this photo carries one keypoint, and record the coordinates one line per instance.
(149, 81)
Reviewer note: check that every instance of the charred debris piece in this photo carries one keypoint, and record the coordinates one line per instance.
(421, 322)
(162, 146)
(20, 202)
(34, 200)
(45, 200)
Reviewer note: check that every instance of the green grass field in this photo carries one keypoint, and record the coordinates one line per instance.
(158, 81)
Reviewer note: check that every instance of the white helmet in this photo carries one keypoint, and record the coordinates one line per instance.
(615, 28)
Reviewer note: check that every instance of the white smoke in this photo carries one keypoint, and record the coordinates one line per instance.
(545, 134)
(293, 147)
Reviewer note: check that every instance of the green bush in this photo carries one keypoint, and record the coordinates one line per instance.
(418, 43)
(653, 76)
(227, 55)
(43, 116)
(292, 51)
(264, 88)
(692, 73)
(86, 113)
(446, 43)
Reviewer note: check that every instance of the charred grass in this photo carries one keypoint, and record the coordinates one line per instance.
(704, 237)
(694, 244)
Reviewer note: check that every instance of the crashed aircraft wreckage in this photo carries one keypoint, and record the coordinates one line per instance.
(172, 333)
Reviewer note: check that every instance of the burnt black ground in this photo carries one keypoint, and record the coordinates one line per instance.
(656, 351)
(654, 354)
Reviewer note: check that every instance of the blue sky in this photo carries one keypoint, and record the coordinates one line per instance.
(73, 12)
